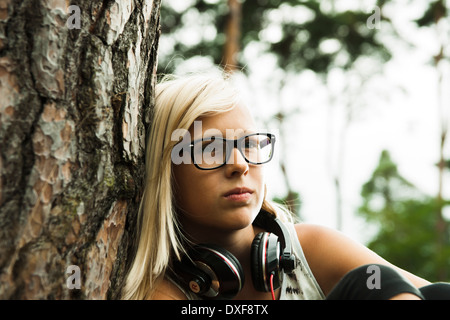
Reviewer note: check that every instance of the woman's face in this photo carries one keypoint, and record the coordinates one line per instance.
(223, 199)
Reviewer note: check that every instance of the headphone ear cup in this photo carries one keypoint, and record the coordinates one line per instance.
(265, 255)
(257, 263)
(222, 267)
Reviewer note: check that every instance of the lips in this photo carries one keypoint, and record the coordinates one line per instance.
(238, 191)
(239, 194)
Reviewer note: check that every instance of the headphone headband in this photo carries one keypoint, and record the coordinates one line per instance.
(271, 223)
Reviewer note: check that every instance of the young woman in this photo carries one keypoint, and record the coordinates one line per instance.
(205, 185)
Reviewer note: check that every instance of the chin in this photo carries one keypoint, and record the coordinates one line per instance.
(239, 218)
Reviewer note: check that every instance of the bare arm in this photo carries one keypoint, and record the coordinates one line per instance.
(331, 255)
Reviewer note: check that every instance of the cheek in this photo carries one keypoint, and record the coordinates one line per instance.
(260, 185)
(192, 193)
(181, 186)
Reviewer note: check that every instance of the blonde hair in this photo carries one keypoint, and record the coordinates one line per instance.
(179, 101)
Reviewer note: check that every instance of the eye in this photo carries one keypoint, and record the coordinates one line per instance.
(251, 142)
(209, 144)
(211, 147)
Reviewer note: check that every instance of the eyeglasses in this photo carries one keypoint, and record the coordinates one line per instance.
(214, 152)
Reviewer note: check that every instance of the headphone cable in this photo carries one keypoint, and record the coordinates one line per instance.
(271, 286)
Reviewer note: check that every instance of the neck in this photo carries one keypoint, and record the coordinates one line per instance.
(238, 242)
(197, 232)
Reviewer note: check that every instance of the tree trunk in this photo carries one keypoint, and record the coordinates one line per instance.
(233, 35)
(76, 90)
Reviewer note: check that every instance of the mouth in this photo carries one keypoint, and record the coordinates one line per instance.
(239, 194)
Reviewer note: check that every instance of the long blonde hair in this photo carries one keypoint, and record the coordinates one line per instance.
(179, 101)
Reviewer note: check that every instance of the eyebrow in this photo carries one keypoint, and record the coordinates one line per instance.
(224, 136)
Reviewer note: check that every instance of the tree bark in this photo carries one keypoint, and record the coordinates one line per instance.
(74, 105)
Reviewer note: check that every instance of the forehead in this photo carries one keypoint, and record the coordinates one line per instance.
(238, 120)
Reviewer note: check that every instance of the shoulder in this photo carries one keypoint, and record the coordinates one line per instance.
(166, 290)
(315, 237)
(331, 254)
(318, 240)
(327, 253)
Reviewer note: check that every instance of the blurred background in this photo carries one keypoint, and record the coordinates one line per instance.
(358, 93)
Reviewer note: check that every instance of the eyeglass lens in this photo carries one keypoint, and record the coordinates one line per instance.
(213, 152)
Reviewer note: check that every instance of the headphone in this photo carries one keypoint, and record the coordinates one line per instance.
(214, 273)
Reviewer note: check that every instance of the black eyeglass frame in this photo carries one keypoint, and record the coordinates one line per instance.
(235, 144)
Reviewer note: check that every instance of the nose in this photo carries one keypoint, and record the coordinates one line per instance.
(236, 164)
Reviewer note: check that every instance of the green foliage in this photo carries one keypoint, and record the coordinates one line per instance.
(347, 30)
(305, 26)
(435, 11)
(407, 221)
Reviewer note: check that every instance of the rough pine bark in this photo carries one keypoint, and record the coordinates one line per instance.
(74, 105)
